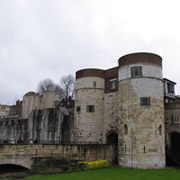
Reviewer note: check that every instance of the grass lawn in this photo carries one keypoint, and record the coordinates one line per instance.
(115, 173)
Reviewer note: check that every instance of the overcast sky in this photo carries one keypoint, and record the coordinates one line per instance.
(50, 38)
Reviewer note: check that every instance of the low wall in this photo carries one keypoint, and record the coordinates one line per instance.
(77, 152)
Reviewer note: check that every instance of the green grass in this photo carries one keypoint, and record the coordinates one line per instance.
(115, 173)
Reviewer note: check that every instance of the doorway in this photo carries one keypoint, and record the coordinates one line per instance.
(112, 138)
(175, 142)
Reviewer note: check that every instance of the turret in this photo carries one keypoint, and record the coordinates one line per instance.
(141, 111)
(89, 105)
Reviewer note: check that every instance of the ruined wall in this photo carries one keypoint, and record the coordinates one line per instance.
(88, 125)
(141, 128)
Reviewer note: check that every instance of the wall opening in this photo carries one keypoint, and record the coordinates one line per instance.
(112, 138)
(160, 130)
(173, 153)
(175, 142)
(125, 129)
(10, 168)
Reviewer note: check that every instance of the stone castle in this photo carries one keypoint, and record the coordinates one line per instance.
(130, 105)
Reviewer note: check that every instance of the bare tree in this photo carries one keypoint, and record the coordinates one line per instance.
(46, 85)
(68, 85)
(59, 92)
(49, 85)
(64, 90)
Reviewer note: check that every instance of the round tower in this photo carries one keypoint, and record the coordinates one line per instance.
(141, 111)
(89, 103)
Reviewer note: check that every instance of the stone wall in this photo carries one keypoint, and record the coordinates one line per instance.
(31, 101)
(53, 125)
(35, 101)
(110, 121)
(15, 129)
(69, 152)
(48, 100)
(50, 125)
(4, 111)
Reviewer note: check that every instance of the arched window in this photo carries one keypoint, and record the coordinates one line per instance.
(125, 129)
(160, 130)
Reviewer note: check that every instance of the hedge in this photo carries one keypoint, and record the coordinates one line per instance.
(95, 164)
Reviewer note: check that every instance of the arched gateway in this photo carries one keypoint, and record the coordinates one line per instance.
(112, 138)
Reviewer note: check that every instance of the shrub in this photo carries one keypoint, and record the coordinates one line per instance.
(95, 164)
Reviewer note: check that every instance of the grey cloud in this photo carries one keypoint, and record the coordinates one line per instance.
(48, 39)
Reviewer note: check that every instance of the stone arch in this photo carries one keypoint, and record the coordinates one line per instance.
(112, 137)
(11, 168)
(23, 162)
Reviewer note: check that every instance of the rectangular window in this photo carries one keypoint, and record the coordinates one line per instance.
(78, 108)
(170, 88)
(176, 119)
(145, 101)
(113, 83)
(94, 84)
(136, 71)
(90, 108)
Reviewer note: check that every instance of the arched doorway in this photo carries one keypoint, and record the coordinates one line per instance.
(112, 138)
(175, 142)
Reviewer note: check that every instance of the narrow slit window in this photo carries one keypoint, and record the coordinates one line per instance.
(160, 130)
(94, 84)
(125, 129)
